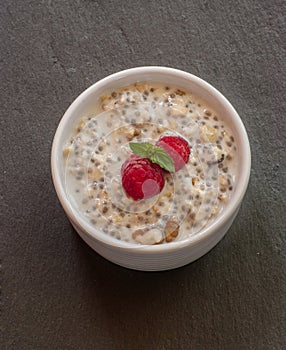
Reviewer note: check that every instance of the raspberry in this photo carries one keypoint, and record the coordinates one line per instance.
(177, 148)
(141, 178)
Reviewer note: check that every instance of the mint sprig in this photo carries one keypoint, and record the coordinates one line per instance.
(156, 154)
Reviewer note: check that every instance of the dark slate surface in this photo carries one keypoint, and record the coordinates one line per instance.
(56, 292)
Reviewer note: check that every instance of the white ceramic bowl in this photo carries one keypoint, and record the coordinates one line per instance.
(164, 256)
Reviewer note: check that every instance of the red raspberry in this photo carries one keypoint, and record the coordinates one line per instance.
(177, 148)
(141, 178)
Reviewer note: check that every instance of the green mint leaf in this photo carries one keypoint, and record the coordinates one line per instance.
(141, 149)
(162, 158)
(155, 153)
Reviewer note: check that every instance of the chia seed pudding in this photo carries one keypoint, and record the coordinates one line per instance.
(191, 198)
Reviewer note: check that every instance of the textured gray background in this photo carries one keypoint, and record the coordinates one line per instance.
(56, 292)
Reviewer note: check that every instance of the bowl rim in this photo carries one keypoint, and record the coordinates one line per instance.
(230, 209)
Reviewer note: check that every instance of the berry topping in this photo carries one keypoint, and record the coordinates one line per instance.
(141, 178)
(177, 148)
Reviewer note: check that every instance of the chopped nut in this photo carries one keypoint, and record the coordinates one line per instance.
(180, 92)
(132, 132)
(160, 129)
(103, 98)
(152, 236)
(141, 86)
(219, 156)
(81, 125)
(94, 174)
(110, 104)
(195, 180)
(177, 110)
(223, 181)
(208, 133)
(101, 146)
(156, 208)
(218, 153)
(137, 233)
(171, 229)
(67, 151)
(137, 132)
(214, 210)
(115, 218)
(107, 107)
(222, 198)
(177, 101)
